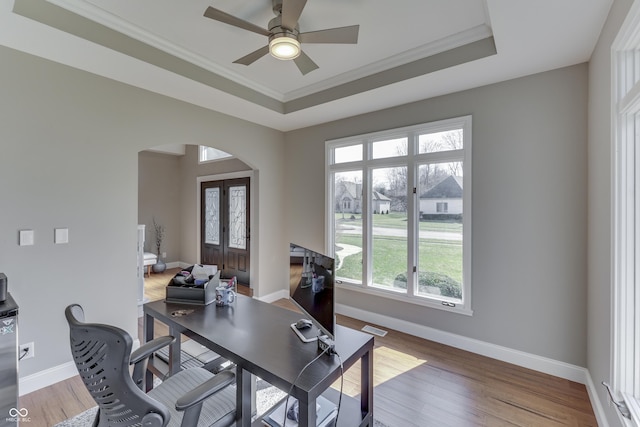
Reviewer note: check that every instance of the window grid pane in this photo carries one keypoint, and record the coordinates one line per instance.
(347, 212)
(212, 216)
(440, 250)
(389, 148)
(441, 141)
(351, 153)
(389, 228)
(237, 217)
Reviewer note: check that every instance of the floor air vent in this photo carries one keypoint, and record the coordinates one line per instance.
(374, 330)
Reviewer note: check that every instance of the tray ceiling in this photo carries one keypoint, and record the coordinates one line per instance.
(407, 50)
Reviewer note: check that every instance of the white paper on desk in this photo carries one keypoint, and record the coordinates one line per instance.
(203, 271)
(278, 414)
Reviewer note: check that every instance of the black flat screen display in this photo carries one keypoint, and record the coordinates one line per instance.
(311, 286)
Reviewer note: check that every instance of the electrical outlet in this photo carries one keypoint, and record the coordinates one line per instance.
(164, 254)
(27, 351)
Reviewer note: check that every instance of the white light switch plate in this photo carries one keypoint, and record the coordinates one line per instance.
(61, 235)
(26, 238)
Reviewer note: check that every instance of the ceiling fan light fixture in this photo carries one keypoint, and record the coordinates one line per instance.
(284, 47)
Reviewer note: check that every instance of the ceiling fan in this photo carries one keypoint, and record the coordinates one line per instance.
(284, 34)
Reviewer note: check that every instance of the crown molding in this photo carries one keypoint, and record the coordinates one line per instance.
(442, 45)
(109, 20)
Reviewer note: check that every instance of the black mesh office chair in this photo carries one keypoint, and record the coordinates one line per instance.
(192, 397)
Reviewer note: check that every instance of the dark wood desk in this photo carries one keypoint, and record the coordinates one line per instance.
(257, 337)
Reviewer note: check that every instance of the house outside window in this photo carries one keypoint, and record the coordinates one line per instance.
(407, 233)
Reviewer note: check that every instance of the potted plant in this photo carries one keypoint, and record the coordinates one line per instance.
(159, 266)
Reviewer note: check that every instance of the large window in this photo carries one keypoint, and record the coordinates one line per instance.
(626, 217)
(399, 206)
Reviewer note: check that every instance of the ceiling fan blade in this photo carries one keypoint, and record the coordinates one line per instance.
(224, 17)
(291, 11)
(253, 56)
(305, 64)
(347, 35)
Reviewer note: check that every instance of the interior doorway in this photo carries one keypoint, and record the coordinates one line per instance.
(224, 226)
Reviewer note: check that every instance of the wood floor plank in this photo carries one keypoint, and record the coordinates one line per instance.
(417, 383)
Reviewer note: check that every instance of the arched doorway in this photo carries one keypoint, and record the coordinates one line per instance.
(169, 179)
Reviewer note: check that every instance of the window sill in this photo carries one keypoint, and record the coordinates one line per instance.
(425, 302)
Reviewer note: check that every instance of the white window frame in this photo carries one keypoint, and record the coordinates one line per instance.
(412, 161)
(625, 352)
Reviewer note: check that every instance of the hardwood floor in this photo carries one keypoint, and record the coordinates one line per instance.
(417, 383)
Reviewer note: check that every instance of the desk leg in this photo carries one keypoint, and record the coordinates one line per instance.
(174, 352)
(147, 327)
(243, 397)
(366, 386)
(307, 411)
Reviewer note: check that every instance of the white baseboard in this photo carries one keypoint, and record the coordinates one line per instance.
(275, 296)
(174, 264)
(505, 354)
(46, 378)
(53, 375)
(598, 410)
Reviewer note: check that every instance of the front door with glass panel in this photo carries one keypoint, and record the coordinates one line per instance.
(225, 227)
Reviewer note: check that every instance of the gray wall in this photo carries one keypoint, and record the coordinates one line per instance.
(69, 144)
(159, 185)
(529, 210)
(599, 213)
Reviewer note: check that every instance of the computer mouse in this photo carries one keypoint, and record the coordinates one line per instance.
(303, 324)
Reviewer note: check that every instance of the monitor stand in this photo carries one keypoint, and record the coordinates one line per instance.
(306, 335)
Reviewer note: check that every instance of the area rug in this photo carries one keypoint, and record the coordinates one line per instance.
(86, 418)
(266, 397)
(83, 419)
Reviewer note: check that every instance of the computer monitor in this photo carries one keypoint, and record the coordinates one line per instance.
(311, 286)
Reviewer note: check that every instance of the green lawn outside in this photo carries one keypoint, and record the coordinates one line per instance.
(440, 256)
(351, 265)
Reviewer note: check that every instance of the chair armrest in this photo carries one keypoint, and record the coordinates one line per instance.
(148, 348)
(140, 358)
(205, 390)
(191, 403)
